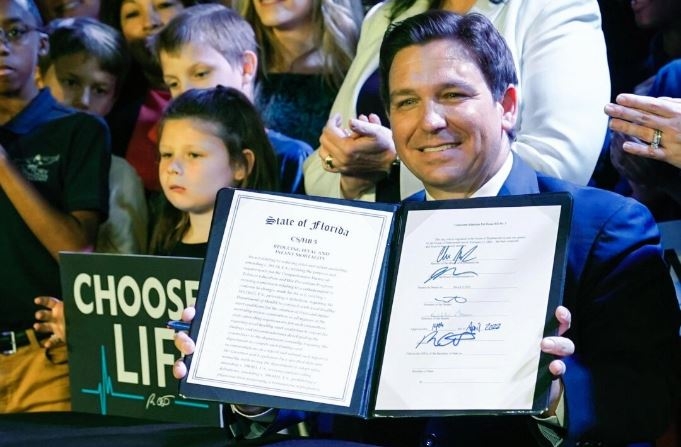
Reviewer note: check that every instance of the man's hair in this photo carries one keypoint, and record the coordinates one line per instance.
(218, 26)
(30, 7)
(89, 36)
(474, 32)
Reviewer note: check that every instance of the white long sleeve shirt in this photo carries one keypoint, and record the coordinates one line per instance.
(560, 57)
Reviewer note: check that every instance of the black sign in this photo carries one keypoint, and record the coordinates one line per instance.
(120, 351)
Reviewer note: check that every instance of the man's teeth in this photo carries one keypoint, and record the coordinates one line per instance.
(444, 147)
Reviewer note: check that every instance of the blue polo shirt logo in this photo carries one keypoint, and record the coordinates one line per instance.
(35, 168)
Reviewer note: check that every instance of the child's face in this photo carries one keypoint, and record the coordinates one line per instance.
(194, 165)
(77, 80)
(18, 58)
(56, 9)
(199, 66)
(141, 19)
(284, 15)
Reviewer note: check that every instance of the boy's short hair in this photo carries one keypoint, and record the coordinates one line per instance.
(89, 36)
(210, 24)
(31, 8)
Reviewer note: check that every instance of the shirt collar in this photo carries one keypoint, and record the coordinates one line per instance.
(35, 113)
(492, 187)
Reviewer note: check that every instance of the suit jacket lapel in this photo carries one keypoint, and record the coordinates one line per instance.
(521, 180)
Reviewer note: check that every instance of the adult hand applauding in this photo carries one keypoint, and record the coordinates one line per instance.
(655, 122)
(362, 154)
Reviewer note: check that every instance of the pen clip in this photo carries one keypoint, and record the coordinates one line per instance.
(177, 325)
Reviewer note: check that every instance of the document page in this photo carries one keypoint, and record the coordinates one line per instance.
(290, 299)
(469, 309)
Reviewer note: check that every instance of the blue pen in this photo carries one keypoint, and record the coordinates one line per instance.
(177, 325)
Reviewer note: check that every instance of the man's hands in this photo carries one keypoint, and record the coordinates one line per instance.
(184, 344)
(560, 347)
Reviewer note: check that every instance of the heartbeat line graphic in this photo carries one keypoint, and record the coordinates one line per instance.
(184, 403)
(105, 389)
(105, 386)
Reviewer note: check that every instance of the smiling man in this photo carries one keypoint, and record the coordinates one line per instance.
(452, 102)
(451, 127)
(449, 86)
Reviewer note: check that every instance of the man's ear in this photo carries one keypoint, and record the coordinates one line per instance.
(243, 170)
(509, 108)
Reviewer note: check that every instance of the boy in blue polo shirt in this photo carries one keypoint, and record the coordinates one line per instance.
(53, 195)
(85, 69)
(209, 45)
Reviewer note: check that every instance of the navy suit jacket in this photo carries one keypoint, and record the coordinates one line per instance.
(623, 379)
(622, 382)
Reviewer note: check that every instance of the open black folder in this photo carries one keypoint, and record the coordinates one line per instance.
(367, 309)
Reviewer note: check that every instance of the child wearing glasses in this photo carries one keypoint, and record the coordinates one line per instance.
(54, 165)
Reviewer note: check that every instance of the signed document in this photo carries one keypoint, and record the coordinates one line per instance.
(290, 297)
(371, 309)
(469, 309)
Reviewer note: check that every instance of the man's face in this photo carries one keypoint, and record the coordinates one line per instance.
(18, 50)
(447, 127)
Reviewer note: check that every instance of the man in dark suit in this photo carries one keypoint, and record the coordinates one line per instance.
(450, 87)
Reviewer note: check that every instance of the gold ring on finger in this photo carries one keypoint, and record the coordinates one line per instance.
(328, 160)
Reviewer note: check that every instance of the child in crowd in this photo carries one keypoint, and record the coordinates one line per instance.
(306, 47)
(133, 121)
(85, 69)
(209, 45)
(209, 139)
(54, 165)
